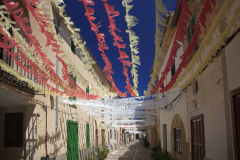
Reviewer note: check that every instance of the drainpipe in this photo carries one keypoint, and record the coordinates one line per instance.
(57, 70)
(46, 134)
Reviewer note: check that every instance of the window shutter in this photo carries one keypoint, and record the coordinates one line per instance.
(193, 22)
(173, 69)
(189, 34)
(74, 78)
(56, 25)
(87, 89)
(190, 29)
(87, 136)
(72, 46)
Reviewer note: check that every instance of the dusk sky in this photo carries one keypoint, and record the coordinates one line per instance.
(144, 10)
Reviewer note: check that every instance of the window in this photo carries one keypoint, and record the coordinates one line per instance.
(173, 69)
(13, 136)
(56, 25)
(4, 56)
(115, 135)
(190, 28)
(87, 89)
(110, 134)
(72, 46)
(74, 78)
(87, 136)
(178, 140)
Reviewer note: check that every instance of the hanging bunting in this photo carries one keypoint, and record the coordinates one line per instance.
(133, 40)
(101, 45)
(11, 6)
(161, 12)
(21, 59)
(39, 13)
(207, 41)
(232, 26)
(50, 34)
(87, 59)
(179, 37)
(188, 52)
(117, 39)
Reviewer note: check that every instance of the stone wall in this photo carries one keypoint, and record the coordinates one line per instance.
(210, 102)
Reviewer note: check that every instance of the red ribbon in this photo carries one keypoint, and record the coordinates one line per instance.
(11, 6)
(101, 46)
(180, 37)
(123, 56)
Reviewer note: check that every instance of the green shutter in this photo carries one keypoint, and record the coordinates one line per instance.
(72, 140)
(56, 26)
(190, 29)
(87, 136)
(74, 78)
(87, 89)
(72, 46)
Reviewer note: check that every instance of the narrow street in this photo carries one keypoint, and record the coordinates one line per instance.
(133, 151)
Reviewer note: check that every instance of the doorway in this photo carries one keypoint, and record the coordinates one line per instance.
(235, 112)
(165, 138)
(103, 139)
(96, 143)
(197, 138)
(72, 140)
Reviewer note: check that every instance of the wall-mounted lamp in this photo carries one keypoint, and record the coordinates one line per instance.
(38, 115)
(44, 106)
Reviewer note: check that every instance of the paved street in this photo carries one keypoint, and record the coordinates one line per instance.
(133, 151)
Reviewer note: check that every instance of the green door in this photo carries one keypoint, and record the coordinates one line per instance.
(72, 140)
(87, 136)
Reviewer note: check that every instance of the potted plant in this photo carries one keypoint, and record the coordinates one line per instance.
(146, 143)
(102, 154)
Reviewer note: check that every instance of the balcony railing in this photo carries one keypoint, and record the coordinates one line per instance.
(8, 60)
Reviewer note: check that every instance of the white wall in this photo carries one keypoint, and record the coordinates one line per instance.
(166, 117)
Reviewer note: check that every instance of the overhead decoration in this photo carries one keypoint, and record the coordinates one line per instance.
(232, 26)
(46, 63)
(133, 40)
(178, 39)
(192, 44)
(206, 42)
(24, 61)
(161, 11)
(135, 107)
(87, 59)
(101, 45)
(39, 13)
(117, 39)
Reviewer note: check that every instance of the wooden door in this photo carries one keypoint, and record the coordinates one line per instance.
(197, 138)
(235, 112)
(103, 139)
(72, 140)
(96, 138)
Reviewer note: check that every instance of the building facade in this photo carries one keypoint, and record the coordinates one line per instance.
(202, 122)
(36, 125)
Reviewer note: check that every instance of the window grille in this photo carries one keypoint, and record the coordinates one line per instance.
(178, 140)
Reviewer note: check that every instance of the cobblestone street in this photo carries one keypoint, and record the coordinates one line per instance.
(133, 151)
